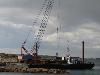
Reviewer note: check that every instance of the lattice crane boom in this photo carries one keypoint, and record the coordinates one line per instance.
(43, 25)
(45, 10)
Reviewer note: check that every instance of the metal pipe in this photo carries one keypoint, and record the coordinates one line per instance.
(82, 51)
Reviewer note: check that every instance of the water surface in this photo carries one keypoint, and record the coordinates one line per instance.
(94, 71)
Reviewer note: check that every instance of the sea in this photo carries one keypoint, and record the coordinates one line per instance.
(94, 71)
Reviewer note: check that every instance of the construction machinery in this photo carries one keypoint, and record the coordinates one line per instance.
(32, 55)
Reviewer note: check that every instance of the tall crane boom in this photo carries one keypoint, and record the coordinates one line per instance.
(46, 11)
(43, 25)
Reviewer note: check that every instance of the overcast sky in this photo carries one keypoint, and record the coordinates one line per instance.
(77, 20)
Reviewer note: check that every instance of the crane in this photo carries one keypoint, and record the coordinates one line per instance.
(46, 11)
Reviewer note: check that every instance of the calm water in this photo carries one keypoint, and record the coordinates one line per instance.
(95, 71)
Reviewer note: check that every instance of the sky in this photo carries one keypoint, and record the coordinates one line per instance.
(77, 20)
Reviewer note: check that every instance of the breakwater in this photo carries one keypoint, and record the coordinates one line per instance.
(10, 63)
(23, 68)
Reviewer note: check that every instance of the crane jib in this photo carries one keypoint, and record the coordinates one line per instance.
(46, 11)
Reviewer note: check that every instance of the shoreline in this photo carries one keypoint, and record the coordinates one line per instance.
(30, 70)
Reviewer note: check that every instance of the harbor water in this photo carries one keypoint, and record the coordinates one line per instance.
(94, 71)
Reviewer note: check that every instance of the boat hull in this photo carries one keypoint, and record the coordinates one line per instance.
(63, 66)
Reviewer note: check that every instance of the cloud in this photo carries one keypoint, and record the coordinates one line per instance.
(77, 12)
(9, 50)
(87, 32)
(77, 20)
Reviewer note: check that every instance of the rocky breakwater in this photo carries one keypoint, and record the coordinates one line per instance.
(24, 68)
